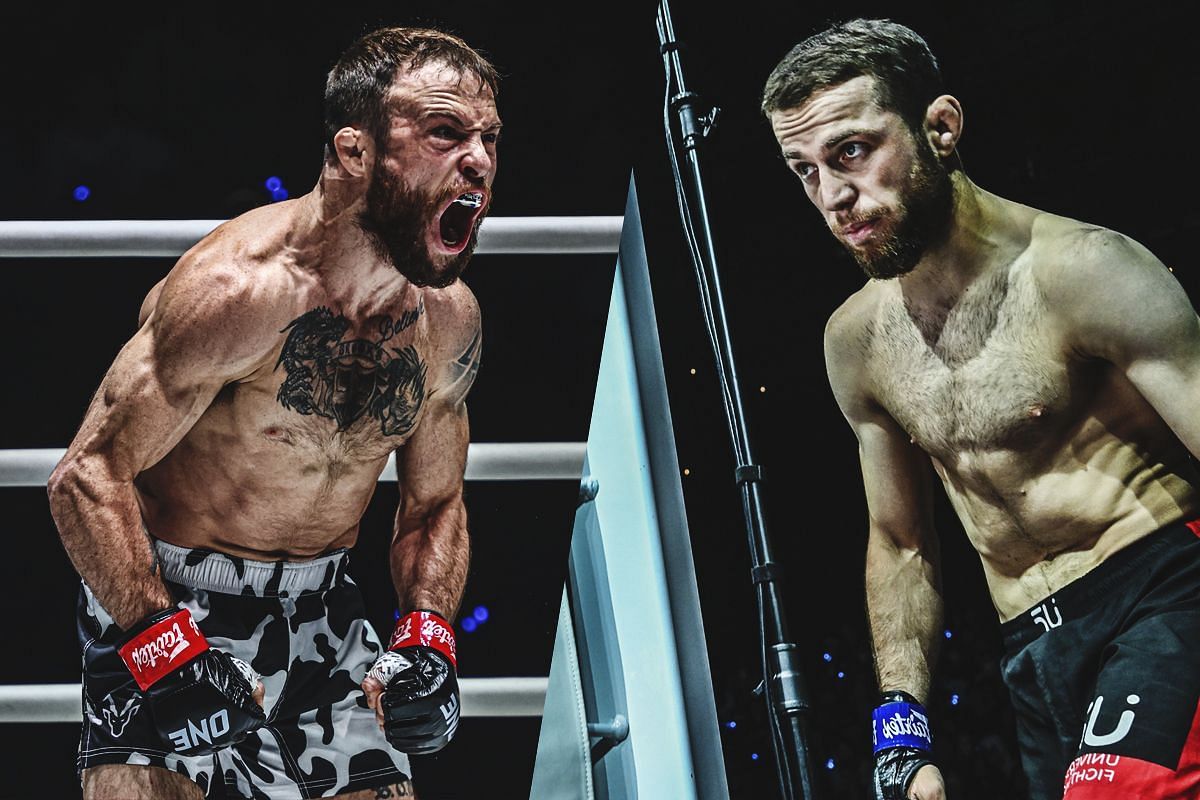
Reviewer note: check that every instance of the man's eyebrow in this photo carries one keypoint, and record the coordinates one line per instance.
(832, 142)
(836, 139)
(456, 119)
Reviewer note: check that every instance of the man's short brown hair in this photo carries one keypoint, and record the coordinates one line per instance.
(359, 82)
(907, 77)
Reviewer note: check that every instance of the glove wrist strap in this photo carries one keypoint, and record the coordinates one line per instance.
(170, 640)
(901, 723)
(426, 629)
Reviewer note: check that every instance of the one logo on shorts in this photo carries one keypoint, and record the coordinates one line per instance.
(118, 718)
(1041, 615)
(1124, 724)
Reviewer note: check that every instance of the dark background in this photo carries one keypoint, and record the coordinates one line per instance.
(183, 112)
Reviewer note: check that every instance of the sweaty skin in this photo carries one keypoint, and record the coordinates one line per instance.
(189, 437)
(1046, 369)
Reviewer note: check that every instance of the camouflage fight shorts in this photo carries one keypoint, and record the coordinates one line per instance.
(301, 626)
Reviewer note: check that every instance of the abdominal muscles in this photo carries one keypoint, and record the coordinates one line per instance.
(1043, 517)
(292, 488)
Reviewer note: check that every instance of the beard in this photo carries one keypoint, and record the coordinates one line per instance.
(396, 219)
(922, 219)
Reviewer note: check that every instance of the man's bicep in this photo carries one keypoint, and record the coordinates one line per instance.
(138, 414)
(431, 464)
(1128, 309)
(204, 331)
(896, 480)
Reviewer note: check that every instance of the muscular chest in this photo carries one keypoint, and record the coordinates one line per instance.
(985, 374)
(341, 384)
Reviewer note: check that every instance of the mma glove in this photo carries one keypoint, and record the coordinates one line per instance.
(201, 699)
(420, 697)
(903, 744)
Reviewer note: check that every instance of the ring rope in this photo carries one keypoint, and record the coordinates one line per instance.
(160, 238)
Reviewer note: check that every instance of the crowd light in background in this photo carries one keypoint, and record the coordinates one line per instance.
(473, 621)
(81, 193)
(275, 186)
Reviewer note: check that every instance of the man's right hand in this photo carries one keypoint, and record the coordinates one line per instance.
(202, 699)
(907, 775)
(928, 784)
(903, 769)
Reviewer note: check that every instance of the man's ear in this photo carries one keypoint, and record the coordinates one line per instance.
(944, 124)
(353, 149)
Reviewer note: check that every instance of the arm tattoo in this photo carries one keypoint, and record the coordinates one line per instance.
(464, 368)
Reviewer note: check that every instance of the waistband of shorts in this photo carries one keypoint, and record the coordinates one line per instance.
(218, 572)
(1096, 587)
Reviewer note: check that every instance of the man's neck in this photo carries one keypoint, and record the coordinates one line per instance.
(981, 234)
(328, 241)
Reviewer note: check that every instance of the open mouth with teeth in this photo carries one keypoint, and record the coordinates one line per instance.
(457, 220)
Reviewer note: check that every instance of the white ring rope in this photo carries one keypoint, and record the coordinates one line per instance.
(108, 238)
(486, 461)
(481, 697)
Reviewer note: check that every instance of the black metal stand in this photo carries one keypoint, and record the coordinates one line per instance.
(783, 684)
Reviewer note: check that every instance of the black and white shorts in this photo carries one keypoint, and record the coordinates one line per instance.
(302, 627)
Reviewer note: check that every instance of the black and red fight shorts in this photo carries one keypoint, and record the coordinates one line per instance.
(1105, 677)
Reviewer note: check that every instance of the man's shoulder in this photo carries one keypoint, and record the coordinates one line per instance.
(853, 319)
(241, 261)
(847, 342)
(1064, 252)
(254, 239)
(224, 291)
(453, 313)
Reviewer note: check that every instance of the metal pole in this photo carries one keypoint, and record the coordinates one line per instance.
(783, 683)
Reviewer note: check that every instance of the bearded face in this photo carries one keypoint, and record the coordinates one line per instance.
(401, 219)
(904, 232)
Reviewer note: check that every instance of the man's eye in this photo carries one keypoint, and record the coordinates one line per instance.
(445, 132)
(804, 171)
(854, 150)
(491, 138)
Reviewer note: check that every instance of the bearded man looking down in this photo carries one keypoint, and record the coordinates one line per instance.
(1045, 371)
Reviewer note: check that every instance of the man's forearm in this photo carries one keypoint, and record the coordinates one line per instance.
(430, 555)
(904, 604)
(101, 528)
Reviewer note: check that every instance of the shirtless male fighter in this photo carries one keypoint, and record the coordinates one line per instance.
(1047, 369)
(219, 476)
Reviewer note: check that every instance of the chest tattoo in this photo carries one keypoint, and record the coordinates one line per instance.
(345, 379)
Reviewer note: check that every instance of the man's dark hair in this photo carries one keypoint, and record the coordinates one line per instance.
(907, 78)
(359, 82)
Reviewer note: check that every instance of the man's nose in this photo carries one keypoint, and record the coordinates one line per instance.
(477, 163)
(837, 194)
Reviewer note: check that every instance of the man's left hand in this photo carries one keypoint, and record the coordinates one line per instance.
(413, 687)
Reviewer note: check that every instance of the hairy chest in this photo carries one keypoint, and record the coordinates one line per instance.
(984, 374)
